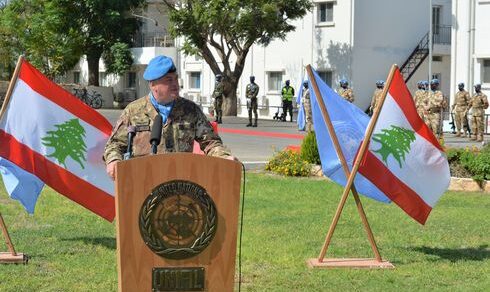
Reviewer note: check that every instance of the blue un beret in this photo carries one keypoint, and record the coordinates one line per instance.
(158, 67)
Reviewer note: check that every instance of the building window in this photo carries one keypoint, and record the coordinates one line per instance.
(76, 77)
(436, 19)
(326, 76)
(131, 80)
(437, 58)
(195, 80)
(486, 71)
(274, 81)
(325, 12)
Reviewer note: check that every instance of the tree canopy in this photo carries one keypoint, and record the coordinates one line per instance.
(54, 34)
(222, 32)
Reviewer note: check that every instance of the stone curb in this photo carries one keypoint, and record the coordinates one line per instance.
(456, 184)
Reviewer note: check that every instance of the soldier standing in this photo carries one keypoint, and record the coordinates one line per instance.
(287, 93)
(460, 107)
(478, 104)
(376, 95)
(435, 103)
(305, 99)
(345, 91)
(420, 100)
(183, 120)
(251, 93)
(218, 98)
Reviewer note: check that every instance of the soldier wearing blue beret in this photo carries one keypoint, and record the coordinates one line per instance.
(183, 120)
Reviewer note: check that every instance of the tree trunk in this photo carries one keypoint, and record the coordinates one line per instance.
(93, 69)
(230, 100)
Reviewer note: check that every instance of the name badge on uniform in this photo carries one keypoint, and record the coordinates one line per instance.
(142, 128)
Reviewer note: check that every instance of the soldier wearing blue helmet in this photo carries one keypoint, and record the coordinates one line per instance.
(345, 91)
(420, 100)
(183, 121)
(305, 99)
(376, 95)
(435, 105)
(478, 104)
(460, 107)
(251, 92)
(218, 98)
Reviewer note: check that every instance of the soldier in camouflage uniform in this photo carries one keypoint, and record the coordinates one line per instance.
(218, 98)
(305, 99)
(478, 104)
(183, 120)
(376, 95)
(435, 104)
(460, 107)
(251, 94)
(345, 91)
(420, 100)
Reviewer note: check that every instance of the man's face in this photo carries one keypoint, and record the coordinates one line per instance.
(165, 89)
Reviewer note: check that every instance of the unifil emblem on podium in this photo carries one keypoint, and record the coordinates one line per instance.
(177, 217)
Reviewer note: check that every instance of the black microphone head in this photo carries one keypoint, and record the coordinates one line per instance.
(131, 130)
(156, 130)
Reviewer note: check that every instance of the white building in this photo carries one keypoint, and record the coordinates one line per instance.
(470, 51)
(353, 39)
(358, 40)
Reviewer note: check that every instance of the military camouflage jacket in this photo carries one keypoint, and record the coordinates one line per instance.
(252, 90)
(376, 96)
(461, 100)
(347, 94)
(420, 98)
(435, 101)
(218, 90)
(479, 103)
(185, 124)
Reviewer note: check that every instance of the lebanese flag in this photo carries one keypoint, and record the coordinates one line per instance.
(51, 134)
(405, 160)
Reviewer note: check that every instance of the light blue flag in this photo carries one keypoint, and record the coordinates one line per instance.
(301, 119)
(350, 124)
(20, 184)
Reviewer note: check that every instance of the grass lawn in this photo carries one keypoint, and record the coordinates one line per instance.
(285, 223)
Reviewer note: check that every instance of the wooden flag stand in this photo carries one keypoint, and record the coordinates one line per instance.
(10, 257)
(370, 263)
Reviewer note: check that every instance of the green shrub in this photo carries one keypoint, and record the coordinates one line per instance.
(478, 164)
(309, 149)
(288, 163)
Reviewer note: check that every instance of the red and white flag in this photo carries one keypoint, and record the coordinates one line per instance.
(405, 160)
(48, 132)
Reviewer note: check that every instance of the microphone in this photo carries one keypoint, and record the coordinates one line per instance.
(156, 133)
(131, 134)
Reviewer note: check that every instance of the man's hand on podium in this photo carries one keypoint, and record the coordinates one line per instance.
(111, 169)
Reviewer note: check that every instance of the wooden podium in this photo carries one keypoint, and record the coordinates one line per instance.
(177, 219)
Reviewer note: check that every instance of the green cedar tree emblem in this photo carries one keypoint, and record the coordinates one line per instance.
(67, 140)
(396, 142)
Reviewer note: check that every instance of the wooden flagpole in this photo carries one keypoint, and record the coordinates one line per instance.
(12, 83)
(12, 256)
(331, 263)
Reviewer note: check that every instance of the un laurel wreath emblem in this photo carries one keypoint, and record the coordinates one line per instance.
(178, 220)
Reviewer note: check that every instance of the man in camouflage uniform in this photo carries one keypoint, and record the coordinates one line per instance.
(420, 100)
(183, 120)
(435, 104)
(251, 93)
(218, 98)
(460, 107)
(376, 95)
(305, 99)
(345, 91)
(478, 104)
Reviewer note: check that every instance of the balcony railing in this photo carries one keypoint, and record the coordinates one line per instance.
(153, 39)
(441, 34)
